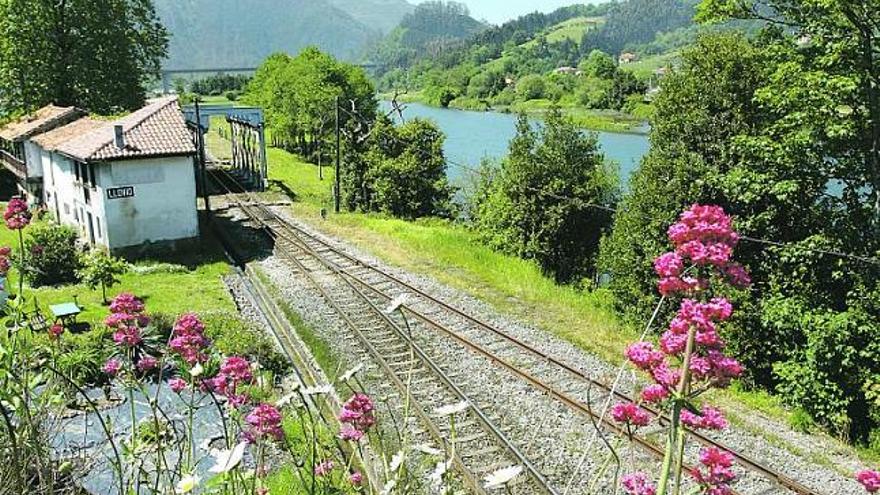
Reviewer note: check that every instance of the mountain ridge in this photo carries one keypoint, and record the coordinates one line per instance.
(231, 33)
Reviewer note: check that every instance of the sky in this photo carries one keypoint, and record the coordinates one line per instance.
(499, 11)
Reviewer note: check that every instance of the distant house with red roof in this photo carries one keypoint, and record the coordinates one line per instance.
(121, 182)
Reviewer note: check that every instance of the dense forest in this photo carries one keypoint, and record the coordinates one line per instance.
(430, 30)
(636, 22)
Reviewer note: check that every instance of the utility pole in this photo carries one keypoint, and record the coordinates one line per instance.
(201, 144)
(338, 158)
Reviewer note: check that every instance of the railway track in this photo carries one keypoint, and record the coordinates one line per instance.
(568, 385)
(475, 445)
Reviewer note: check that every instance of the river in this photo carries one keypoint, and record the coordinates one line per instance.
(472, 136)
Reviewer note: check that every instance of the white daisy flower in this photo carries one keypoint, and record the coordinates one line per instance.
(436, 477)
(427, 449)
(396, 303)
(451, 409)
(348, 375)
(196, 370)
(502, 476)
(389, 487)
(227, 460)
(187, 484)
(317, 390)
(397, 460)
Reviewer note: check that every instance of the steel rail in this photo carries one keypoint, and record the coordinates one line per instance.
(534, 474)
(742, 459)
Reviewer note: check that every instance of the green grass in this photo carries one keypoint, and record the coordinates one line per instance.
(216, 100)
(599, 120)
(572, 29)
(197, 287)
(643, 69)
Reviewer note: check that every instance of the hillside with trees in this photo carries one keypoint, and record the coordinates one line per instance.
(634, 22)
(231, 33)
(433, 28)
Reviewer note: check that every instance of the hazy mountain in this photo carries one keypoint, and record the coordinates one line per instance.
(235, 33)
(384, 15)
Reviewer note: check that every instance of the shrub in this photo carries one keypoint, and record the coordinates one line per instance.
(234, 336)
(52, 256)
(525, 208)
(531, 87)
(82, 356)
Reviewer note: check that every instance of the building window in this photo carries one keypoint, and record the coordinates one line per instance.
(66, 209)
(76, 171)
(92, 179)
(98, 226)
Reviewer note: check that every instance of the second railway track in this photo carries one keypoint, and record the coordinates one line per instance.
(366, 288)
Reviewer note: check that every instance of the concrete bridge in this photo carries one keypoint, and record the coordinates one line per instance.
(168, 74)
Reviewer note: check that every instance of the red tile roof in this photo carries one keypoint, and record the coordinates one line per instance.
(51, 140)
(44, 119)
(158, 129)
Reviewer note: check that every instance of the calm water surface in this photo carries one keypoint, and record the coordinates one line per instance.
(472, 136)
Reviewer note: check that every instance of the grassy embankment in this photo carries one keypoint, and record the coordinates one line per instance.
(592, 119)
(174, 284)
(451, 254)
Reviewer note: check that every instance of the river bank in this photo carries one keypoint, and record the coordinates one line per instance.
(472, 137)
(590, 119)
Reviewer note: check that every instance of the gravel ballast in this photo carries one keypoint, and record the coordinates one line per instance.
(562, 444)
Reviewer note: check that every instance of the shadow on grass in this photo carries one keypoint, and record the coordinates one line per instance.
(284, 189)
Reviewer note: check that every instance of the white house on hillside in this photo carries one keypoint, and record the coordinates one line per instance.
(121, 182)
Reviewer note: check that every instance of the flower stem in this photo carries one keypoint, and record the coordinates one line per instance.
(683, 391)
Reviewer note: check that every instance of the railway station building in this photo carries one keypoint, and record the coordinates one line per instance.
(120, 182)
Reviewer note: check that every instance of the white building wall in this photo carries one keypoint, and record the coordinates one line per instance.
(163, 206)
(65, 197)
(32, 152)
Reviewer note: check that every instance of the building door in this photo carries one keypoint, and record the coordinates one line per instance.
(91, 228)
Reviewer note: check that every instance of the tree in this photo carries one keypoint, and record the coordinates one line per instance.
(99, 268)
(300, 94)
(398, 170)
(89, 53)
(599, 64)
(546, 201)
(531, 87)
(764, 129)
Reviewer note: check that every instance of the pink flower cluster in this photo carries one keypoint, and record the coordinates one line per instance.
(324, 468)
(358, 412)
(630, 414)
(177, 384)
(17, 215)
(638, 484)
(703, 237)
(188, 339)
(869, 479)
(709, 418)
(234, 372)
(127, 320)
(112, 367)
(5, 260)
(55, 331)
(147, 363)
(265, 422)
(718, 473)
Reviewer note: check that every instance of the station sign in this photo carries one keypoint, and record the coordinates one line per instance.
(120, 192)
